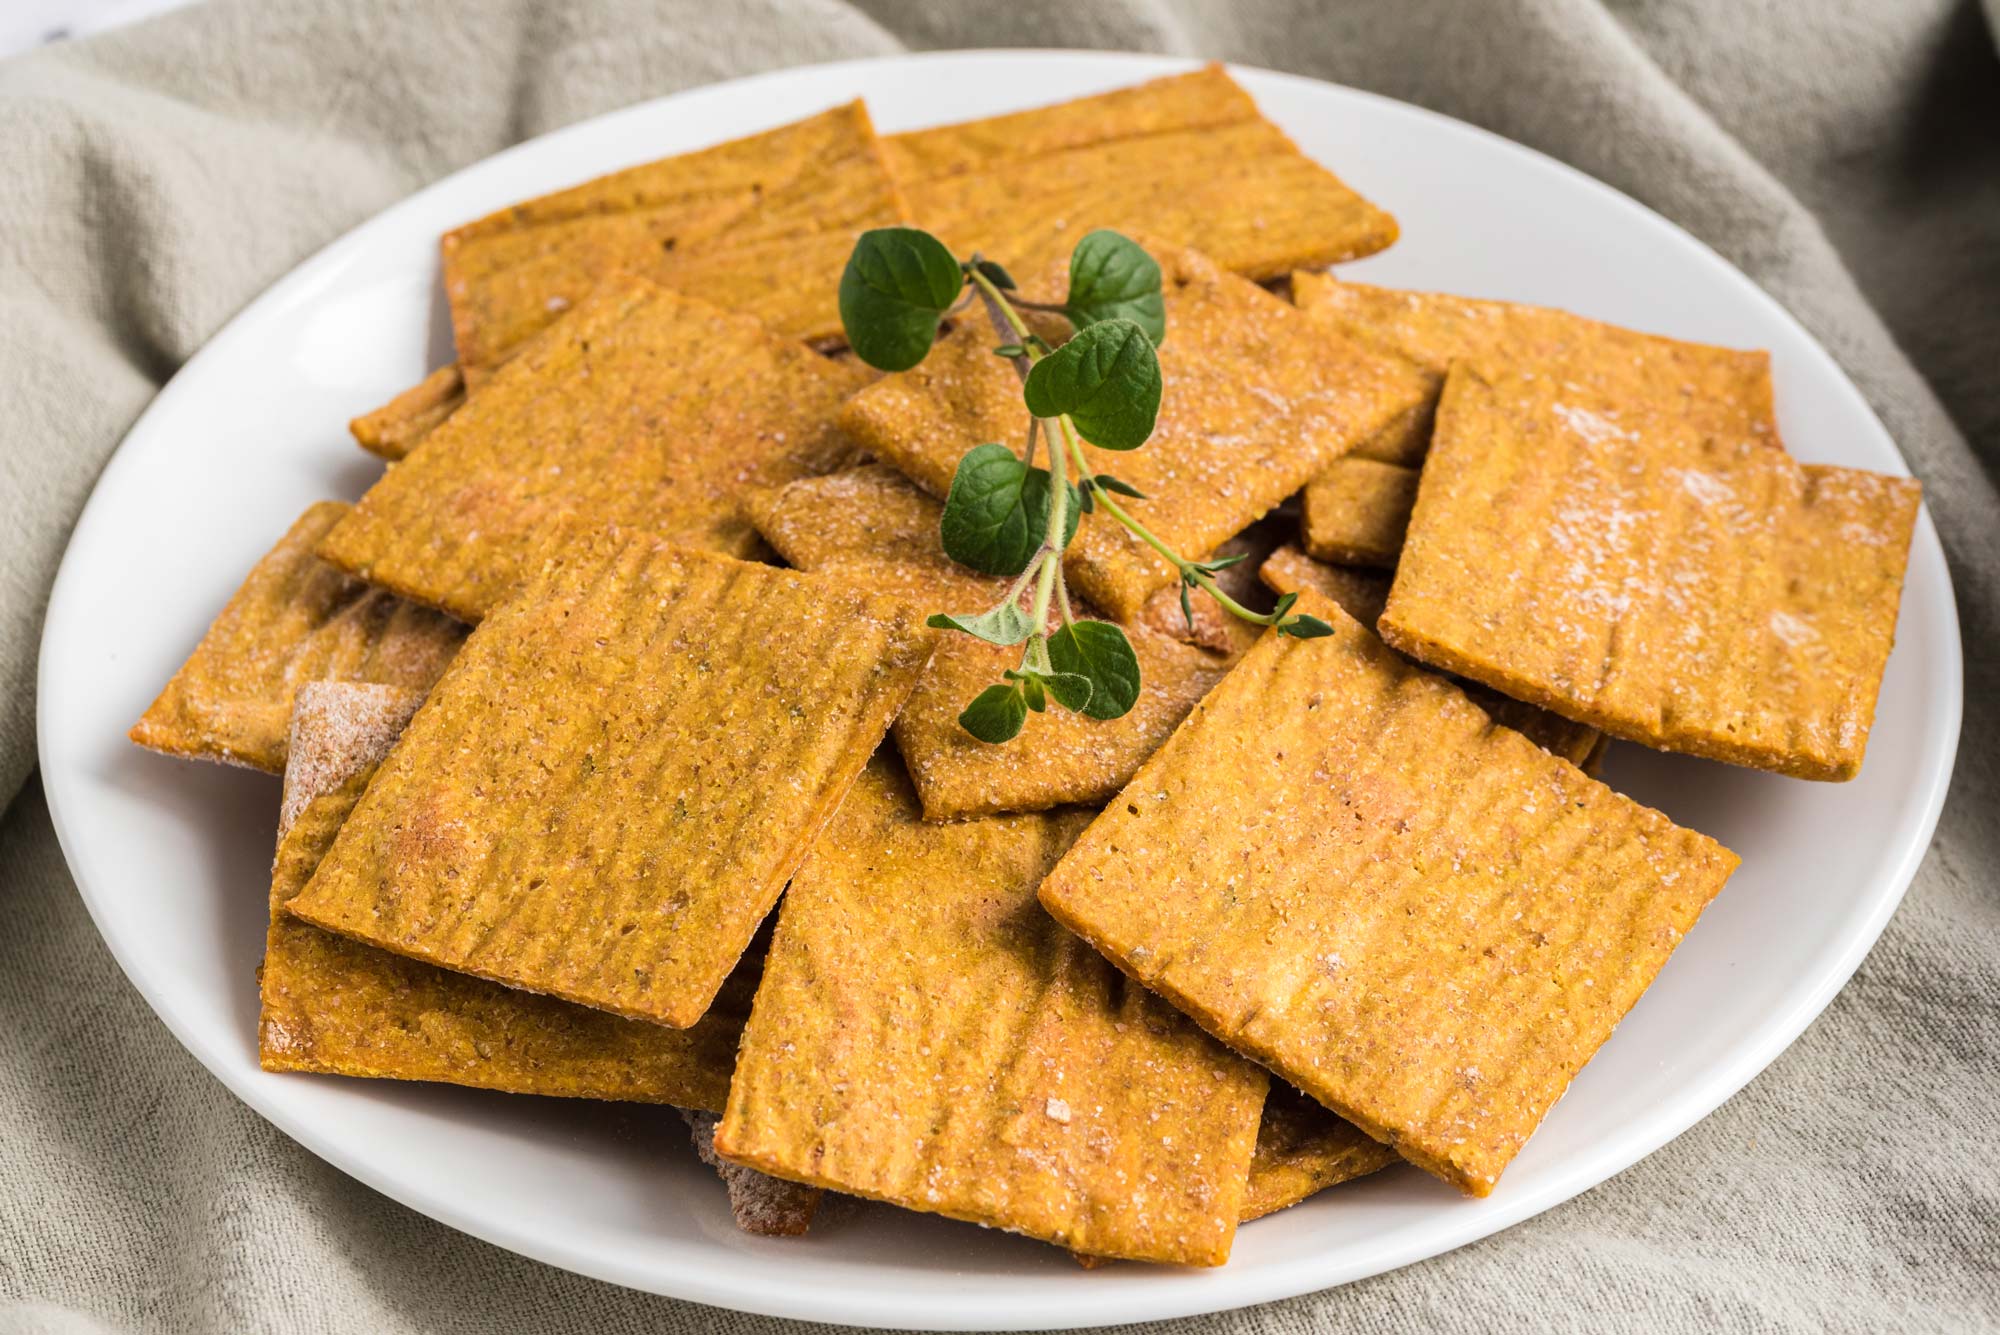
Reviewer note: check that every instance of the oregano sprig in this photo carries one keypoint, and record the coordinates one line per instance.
(1004, 514)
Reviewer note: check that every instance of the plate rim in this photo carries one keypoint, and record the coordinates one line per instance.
(1275, 1281)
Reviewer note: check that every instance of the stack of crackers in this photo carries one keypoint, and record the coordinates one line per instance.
(619, 762)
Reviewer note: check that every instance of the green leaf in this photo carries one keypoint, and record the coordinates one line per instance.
(898, 283)
(996, 275)
(1304, 627)
(1100, 652)
(1107, 379)
(1031, 689)
(1004, 624)
(998, 511)
(1112, 278)
(1284, 605)
(1222, 562)
(1010, 350)
(996, 714)
(1071, 690)
(1112, 484)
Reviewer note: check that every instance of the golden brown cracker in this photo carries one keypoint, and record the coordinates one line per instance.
(336, 1006)
(927, 1036)
(1188, 158)
(1258, 400)
(1340, 867)
(761, 225)
(394, 429)
(1720, 391)
(644, 408)
(1693, 592)
(295, 619)
(1356, 511)
(605, 795)
(1363, 593)
(768, 1206)
(1302, 1149)
(871, 525)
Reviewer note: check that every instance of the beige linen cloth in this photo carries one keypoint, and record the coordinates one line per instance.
(1846, 155)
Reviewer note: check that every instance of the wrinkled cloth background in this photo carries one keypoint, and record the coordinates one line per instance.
(1845, 154)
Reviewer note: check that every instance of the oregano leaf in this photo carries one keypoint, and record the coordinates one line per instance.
(1099, 651)
(996, 714)
(1107, 379)
(997, 512)
(1004, 624)
(898, 284)
(1304, 626)
(1112, 484)
(1111, 277)
(996, 275)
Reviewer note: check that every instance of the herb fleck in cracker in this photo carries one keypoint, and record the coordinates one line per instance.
(1340, 867)
(605, 796)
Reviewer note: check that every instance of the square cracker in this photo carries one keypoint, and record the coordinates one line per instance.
(1356, 512)
(871, 524)
(295, 619)
(1363, 593)
(1339, 866)
(1694, 592)
(1188, 158)
(644, 407)
(926, 1035)
(1302, 1149)
(605, 795)
(1258, 400)
(1722, 391)
(339, 1007)
(761, 225)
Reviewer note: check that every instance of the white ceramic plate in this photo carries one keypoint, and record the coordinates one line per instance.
(173, 858)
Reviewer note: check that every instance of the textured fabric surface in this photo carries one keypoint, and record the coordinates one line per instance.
(1843, 153)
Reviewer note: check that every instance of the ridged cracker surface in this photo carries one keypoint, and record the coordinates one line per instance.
(1725, 391)
(1188, 158)
(643, 407)
(1694, 592)
(926, 1035)
(1362, 594)
(604, 797)
(872, 526)
(762, 225)
(295, 619)
(1258, 399)
(339, 1007)
(1343, 869)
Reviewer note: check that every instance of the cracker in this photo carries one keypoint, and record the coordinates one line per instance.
(872, 525)
(1694, 592)
(1356, 511)
(295, 619)
(336, 1006)
(1363, 593)
(927, 1036)
(1188, 158)
(605, 795)
(1302, 1149)
(761, 225)
(1340, 867)
(644, 407)
(1258, 400)
(394, 429)
(1722, 391)
(767, 1206)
